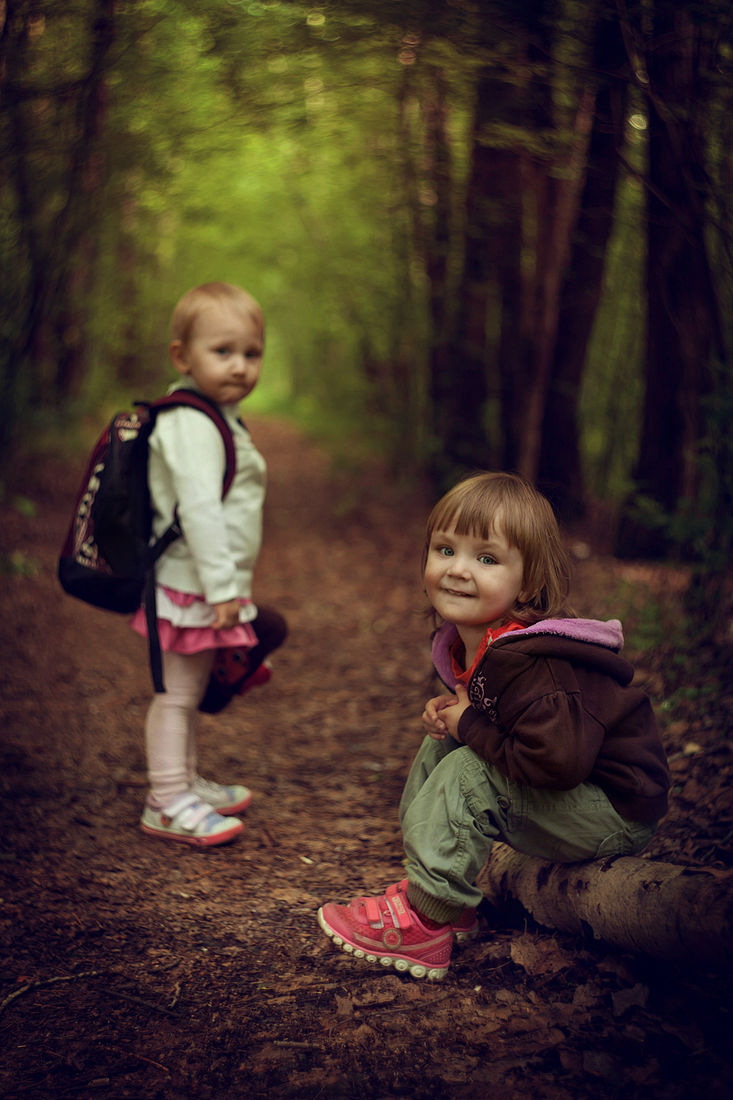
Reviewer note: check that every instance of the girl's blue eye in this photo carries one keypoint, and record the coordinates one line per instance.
(486, 559)
(445, 551)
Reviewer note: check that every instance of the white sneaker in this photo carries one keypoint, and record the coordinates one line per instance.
(225, 800)
(187, 818)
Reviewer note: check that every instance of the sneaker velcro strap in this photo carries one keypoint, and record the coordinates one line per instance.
(373, 912)
(401, 911)
(394, 910)
(187, 811)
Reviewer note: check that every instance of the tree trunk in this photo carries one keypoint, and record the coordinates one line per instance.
(560, 469)
(552, 188)
(458, 384)
(647, 907)
(56, 227)
(439, 174)
(436, 258)
(683, 322)
(512, 358)
(74, 227)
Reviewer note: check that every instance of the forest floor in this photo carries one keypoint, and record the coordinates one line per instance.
(133, 967)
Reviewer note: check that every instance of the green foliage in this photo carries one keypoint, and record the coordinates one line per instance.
(243, 164)
(24, 506)
(706, 522)
(700, 531)
(18, 564)
(648, 620)
(282, 146)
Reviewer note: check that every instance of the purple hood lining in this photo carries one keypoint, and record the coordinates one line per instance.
(608, 634)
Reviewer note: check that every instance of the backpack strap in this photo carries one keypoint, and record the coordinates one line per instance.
(155, 654)
(193, 400)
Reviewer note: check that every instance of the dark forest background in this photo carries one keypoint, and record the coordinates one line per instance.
(485, 234)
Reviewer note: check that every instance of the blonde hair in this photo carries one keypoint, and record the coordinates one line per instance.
(190, 306)
(485, 502)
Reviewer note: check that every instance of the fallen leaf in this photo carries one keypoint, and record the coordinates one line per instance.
(540, 956)
(344, 1006)
(624, 999)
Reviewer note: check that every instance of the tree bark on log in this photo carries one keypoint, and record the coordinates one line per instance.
(660, 909)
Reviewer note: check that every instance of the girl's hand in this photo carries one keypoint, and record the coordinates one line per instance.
(432, 721)
(442, 714)
(452, 715)
(227, 615)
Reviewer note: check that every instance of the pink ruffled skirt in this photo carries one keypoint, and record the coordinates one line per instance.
(182, 627)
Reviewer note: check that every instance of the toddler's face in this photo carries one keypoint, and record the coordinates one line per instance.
(473, 581)
(223, 354)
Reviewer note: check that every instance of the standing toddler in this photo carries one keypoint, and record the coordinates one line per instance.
(204, 579)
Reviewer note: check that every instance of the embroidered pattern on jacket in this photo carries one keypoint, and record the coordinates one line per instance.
(479, 697)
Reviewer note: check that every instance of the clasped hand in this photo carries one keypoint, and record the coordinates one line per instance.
(442, 714)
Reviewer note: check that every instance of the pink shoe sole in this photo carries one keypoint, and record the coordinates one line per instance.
(224, 837)
(236, 808)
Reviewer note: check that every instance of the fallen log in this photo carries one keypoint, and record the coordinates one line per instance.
(660, 909)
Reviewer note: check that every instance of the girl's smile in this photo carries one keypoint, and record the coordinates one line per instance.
(473, 581)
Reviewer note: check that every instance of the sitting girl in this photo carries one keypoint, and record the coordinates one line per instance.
(541, 741)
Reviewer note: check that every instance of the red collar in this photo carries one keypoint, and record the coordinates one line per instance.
(458, 653)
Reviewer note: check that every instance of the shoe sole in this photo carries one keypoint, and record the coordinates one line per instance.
(235, 808)
(399, 962)
(194, 841)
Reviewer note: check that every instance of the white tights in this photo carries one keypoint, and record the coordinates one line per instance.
(170, 725)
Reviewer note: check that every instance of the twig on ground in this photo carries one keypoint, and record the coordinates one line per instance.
(139, 1001)
(272, 995)
(134, 1054)
(294, 1044)
(47, 981)
(402, 1006)
(76, 977)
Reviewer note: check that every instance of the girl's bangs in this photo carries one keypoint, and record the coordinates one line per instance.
(470, 514)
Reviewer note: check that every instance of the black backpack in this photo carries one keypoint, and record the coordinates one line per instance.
(107, 558)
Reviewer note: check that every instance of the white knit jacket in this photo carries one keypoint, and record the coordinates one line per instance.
(221, 539)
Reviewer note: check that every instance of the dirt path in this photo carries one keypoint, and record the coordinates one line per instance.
(135, 968)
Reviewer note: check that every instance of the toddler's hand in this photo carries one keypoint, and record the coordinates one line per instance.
(227, 615)
(434, 725)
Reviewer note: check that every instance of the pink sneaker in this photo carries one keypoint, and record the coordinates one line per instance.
(464, 929)
(389, 931)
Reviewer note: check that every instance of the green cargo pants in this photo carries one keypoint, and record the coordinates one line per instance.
(455, 805)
